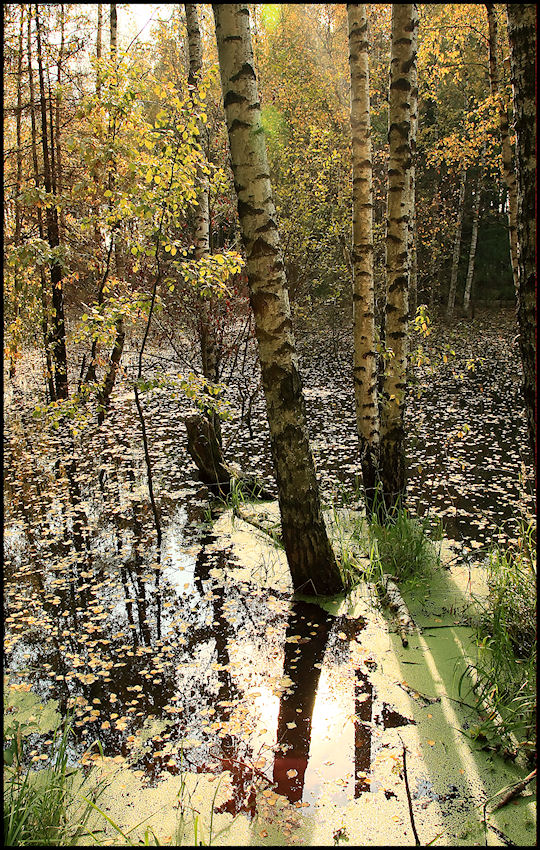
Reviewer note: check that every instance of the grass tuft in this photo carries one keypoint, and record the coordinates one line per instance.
(506, 634)
(405, 546)
(44, 807)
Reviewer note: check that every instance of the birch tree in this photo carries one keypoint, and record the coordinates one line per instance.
(457, 245)
(403, 59)
(309, 553)
(365, 356)
(522, 36)
(413, 275)
(474, 234)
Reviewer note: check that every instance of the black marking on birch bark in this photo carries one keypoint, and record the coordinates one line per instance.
(408, 64)
(239, 125)
(260, 248)
(399, 282)
(269, 226)
(245, 208)
(233, 97)
(286, 346)
(246, 72)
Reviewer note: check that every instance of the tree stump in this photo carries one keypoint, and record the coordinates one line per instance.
(220, 476)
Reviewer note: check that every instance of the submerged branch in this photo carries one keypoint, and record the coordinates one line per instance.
(392, 597)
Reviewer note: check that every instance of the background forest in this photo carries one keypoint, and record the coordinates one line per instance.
(149, 372)
(114, 126)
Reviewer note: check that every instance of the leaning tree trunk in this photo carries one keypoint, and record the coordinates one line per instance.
(365, 355)
(207, 340)
(403, 58)
(309, 553)
(522, 35)
(457, 246)
(508, 171)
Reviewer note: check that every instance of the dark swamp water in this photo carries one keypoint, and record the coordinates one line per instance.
(172, 664)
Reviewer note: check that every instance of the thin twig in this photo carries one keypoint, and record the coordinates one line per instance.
(409, 800)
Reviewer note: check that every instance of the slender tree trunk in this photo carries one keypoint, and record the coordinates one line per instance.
(99, 39)
(522, 34)
(45, 326)
(109, 381)
(474, 239)
(413, 276)
(104, 394)
(508, 170)
(309, 553)
(18, 119)
(207, 337)
(113, 28)
(457, 246)
(18, 185)
(403, 58)
(59, 354)
(57, 136)
(365, 355)
(434, 249)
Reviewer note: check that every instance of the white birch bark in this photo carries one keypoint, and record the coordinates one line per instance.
(309, 553)
(413, 277)
(365, 355)
(474, 236)
(403, 58)
(457, 245)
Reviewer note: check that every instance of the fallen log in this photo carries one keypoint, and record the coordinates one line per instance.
(394, 600)
(221, 477)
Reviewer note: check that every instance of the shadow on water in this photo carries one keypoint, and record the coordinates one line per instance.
(306, 637)
(164, 656)
(453, 772)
